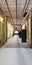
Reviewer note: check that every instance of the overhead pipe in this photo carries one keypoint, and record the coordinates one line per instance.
(27, 3)
(24, 7)
(16, 11)
(9, 10)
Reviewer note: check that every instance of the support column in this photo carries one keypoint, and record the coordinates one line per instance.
(6, 30)
(31, 27)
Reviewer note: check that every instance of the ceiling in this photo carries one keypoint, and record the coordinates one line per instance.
(14, 9)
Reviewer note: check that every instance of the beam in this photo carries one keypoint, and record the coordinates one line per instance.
(11, 10)
(16, 24)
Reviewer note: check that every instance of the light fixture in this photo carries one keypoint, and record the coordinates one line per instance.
(25, 14)
(1, 19)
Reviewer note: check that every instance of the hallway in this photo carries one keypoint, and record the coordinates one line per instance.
(15, 32)
(15, 42)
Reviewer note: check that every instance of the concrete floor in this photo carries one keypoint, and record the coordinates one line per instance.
(15, 42)
(15, 56)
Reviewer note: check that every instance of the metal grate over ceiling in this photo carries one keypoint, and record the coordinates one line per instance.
(11, 9)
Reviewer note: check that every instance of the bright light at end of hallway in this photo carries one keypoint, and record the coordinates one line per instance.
(16, 31)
